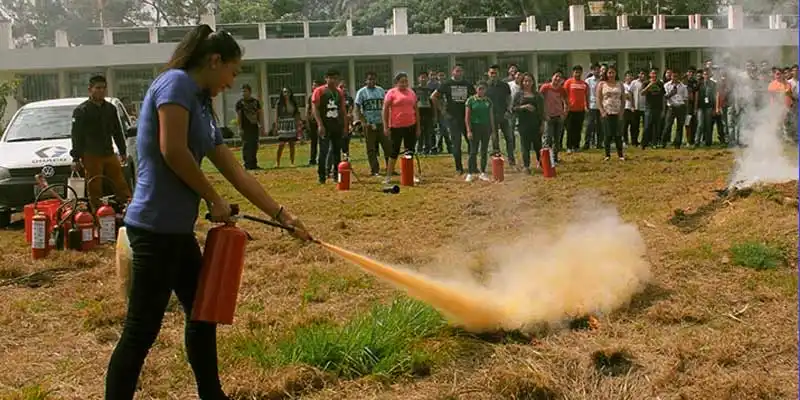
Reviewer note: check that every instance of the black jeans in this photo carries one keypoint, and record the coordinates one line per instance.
(652, 126)
(458, 131)
(426, 140)
(405, 136)
(630, 127)
(479, 142)
(530, 138)
(250, 148)
(162, 263)
(611, 129)
(574, 128)
(313, 136)
(594, 129)
(675, 114)
(330, 153)
(502, 124)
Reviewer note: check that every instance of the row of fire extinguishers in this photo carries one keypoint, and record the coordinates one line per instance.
(72, 224)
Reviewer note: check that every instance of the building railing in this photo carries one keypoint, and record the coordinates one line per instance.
(576, 20)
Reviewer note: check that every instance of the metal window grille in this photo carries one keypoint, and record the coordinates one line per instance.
(291, 75)
(132, 84)
(431, 64)
(605, 58)
(641, 61)
(474, 67)
(248, 75)
(678, 60)
(36, 87)
(549, 63)
(79, 82)
(505, 61)
(382, 68)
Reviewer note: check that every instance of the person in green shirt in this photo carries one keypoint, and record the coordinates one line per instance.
(479, 119)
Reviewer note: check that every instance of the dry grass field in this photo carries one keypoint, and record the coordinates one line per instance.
(718, 320)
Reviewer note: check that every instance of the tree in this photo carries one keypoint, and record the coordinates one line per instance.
(232, 11)
(7, 89)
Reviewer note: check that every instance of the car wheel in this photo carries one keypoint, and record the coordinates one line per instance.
(5, 219)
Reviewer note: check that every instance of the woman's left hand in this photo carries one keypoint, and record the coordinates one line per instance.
(299, 231)
(419, 131)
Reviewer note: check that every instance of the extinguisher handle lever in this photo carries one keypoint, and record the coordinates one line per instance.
(234, 210)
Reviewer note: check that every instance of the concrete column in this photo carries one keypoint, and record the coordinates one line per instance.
(448, 25)
(6, 36)
(577, 18)
(523, 27)
(531, 23)
(62, 40)
(63, 85)
(623, 63)
(153, 31)
(306, 29)
(710, 24)
(262, 31)
(349, 25)
(491, 26)
(110, 82)
(404, 63)
(560, 26)
(735, 17)
(108, 36)
(264, 89)
(451, 62)
(533, 62)
(400, 21)
(309, 78)
(661, 60)
(351, 76)
(659, 22)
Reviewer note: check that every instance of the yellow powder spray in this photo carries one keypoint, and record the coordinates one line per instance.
(594, 266)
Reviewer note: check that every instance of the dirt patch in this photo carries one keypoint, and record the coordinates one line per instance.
(613, 362)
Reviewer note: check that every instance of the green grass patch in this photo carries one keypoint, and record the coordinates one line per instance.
(322, 284)
(756, 255)
(385, 342)
(35, 392)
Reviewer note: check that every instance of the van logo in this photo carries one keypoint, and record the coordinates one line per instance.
(51, 152)
(48, 171)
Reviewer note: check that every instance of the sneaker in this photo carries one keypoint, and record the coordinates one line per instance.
(416, 179)
(606, 158)
(387, 180)
(483, 177)
(376, 174)
(622, 158)
(569, 151)
(469, 178)
(321, 181)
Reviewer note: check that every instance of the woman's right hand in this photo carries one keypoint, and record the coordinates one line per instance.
(386, 130)
(469, 135)
(220, 211)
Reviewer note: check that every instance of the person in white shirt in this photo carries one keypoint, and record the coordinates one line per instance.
(515, 86)
(638, 106)
(628, 118)
(677, 94)
(594, 133)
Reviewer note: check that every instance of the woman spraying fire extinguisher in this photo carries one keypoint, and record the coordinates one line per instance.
(177, 129)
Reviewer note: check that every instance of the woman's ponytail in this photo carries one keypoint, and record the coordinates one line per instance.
(191, 50)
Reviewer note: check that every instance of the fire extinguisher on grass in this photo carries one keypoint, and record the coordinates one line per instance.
(41, 230)
(83, 224)
(107, 224)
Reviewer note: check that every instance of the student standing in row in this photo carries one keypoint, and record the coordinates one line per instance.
(313, 129)
(528, 105)
(330, 112)
(499, 92)
(368, 109)
(705, 108)
(250, 118)
(555, 108)
(426, 140)
(289, 124)
(653, 93)
(593, 125)
(456, 91)
(692, 85)
(610, 100)
(95, 125)
(578, 98)
(400, 120)
(676, 95)
(479, 119)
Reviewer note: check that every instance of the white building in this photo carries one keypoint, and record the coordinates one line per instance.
(293, 54)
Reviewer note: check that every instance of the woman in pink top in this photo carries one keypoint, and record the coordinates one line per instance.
(400, 119)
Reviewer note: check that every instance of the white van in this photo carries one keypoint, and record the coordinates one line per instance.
(37, 141)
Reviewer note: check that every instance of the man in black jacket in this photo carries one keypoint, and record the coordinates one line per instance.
(95, 123)
(500, 94)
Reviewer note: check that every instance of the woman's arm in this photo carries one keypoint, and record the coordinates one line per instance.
(599, 96)
(387, 104)
(467, 117)
(224, 159)
(416, 112)
(173, 128)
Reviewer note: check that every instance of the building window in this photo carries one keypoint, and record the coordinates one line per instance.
(605, 58)
(382, 68)
(319, 69)
(641, 61)
(549, 63)
(132, 84)
(38, 87)
(291, 75)
(79, 82)
(678, 60)
(505, 61)
(475, 68)
(431, 64)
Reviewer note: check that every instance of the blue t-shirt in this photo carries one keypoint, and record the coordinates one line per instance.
(370, 99)
(162, 202)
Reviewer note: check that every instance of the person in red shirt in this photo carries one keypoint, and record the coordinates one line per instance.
(578, 99)
(555, 109)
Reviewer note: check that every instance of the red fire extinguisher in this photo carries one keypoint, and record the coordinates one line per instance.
(407, 169)
(107, 224)
(40, 235)
(221, 274)
(498, 165)
(84, 222)
(344, 175)
(548, 170)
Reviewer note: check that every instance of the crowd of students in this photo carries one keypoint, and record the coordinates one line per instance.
(601, 108)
